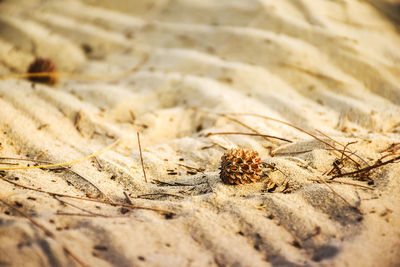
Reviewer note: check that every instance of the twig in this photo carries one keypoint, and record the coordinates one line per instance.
(62, 167)
(141, 157)
(102, 76)
(388, 155)
(273, 167)
(346, 183)
(191, 168)
(367, 169)
(63, 163)
(9, 163)
(88, 199)
(159, 194)
(176, 184)
(208, 147)
(290, 153)
(89, 215)
(98, 163)
(217, 145)
(336, 164)
(335, 167)
(79, 208)
(21, 159)
(250, 134)
(392, 148)
(128, 199)
(47, 232)
(352, 153)
(244, 125)
(344, 146)
(305, 151)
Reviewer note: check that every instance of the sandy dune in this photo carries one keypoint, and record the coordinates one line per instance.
(175, 71)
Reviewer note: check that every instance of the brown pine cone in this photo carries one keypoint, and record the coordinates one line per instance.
(240, 166)
(43, 65)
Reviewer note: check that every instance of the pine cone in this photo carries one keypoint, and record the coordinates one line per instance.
(240, 166)
(42, 65)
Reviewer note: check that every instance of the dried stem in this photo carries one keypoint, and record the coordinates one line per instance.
(9, 163)
(250, 134)
(190, 167)
(88, 199)
(63, 163)
(367, 169)
(95, 77)
(141, 157)
(62, 167)
(245, 125)
(158, 182)
(341, 182)
(88, 215)
(159, 194)
(128, 199)
(344, 146)
(81, 209)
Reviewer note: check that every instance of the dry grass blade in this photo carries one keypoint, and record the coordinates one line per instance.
(250, 134)
(9, 163)
(63, 163)
(345, 147)
(81, 209)
(246, 126)
(159, 195)
(342, 182)
(190, 167)
(63, 168)
(141, 157)
(89, 199)
(94, 77)
(161, 183)
(88, 215)
(367, 169)
(128, 199)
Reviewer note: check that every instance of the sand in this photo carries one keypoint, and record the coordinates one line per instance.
(175, 71)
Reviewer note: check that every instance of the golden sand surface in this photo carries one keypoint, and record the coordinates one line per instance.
(176, 71)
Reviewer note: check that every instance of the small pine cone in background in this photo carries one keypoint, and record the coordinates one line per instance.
(43, 65)
(240, 166)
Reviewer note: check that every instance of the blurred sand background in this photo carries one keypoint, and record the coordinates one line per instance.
(169, 69)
